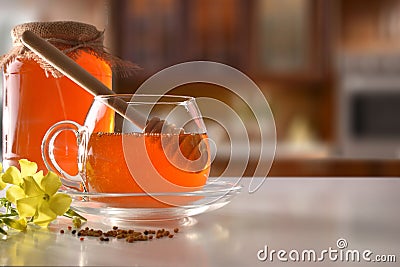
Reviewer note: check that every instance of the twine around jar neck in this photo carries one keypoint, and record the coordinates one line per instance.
(95, 44)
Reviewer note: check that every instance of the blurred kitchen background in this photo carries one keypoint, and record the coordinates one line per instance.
(330, 69)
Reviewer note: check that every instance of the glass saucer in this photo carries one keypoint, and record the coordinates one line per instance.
(151, 207)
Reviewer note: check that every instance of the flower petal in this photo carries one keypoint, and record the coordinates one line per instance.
(38, 177)
(45, 215)
(27, 207)
(50, 183)
(28, 168)
(31, 188)
(2, 184)
(15, 193)
(60, 203)
(12, 176)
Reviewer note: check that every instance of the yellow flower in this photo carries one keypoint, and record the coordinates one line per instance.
(13, 176)
(2, 184)
(34, 194)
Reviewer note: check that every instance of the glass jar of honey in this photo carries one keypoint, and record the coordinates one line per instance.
(35, 96)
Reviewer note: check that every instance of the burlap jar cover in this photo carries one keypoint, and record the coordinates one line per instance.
(71, 38)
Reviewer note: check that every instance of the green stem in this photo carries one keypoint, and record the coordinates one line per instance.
(11, 214)
(71, 213)
(2, 231)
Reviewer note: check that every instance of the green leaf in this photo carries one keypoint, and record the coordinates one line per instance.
(28, 168)
(60, 203)
(51, 183)
(14, 193)
(16, 224)
(12, 176)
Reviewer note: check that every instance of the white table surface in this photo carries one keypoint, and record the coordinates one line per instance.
(284, 214)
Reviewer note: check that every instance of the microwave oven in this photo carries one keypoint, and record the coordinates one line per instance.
(369, 108)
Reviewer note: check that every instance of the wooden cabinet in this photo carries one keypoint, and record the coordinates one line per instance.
(267, 39)
(292, 40)
(159, 33)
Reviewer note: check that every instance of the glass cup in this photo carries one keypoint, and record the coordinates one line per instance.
(116, 155)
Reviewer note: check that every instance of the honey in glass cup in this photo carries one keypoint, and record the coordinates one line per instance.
(116, 156)
(106, 160)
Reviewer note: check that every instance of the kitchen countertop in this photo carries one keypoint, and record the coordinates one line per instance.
(317, 167)
(289, 214)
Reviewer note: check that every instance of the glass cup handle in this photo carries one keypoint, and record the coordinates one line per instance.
(81, 132)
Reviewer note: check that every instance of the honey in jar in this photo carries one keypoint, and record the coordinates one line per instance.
(35, 96)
